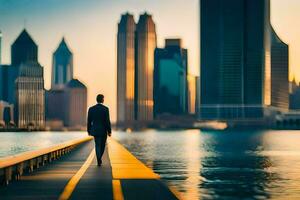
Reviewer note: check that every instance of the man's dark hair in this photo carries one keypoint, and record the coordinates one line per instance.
(100, 98)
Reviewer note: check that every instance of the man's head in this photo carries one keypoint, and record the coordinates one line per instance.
(100, 98)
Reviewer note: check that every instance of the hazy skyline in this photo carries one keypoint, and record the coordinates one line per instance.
(90, 29)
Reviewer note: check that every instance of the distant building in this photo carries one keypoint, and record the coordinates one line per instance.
(279, 73)
(144, 67)
(170, 79)
(192, 94)
(66, 106)
(6, 114)
(66, 101)
(294, 96)
(29, 83)
(55, 108)
(8, 76)
(125, 69)
(75, 103)
(62, 69)
(293, 86)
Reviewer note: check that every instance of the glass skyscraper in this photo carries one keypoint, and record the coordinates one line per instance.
(279, 73)
(235, 58)
(125, 68)
(170, 79)
(144, 67)
(62, 69)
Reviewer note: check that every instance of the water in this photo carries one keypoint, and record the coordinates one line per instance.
(222, 165)
(201, 165)
(19, 142)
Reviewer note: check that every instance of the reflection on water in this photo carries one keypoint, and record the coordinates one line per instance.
(19, 142)
(222, 165)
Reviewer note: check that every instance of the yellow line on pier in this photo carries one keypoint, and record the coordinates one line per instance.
(125, 166)
(117, 190)
(66, 194)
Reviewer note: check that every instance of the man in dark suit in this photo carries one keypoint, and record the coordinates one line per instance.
(99, 126)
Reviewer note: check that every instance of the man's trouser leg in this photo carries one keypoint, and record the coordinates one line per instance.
(100, 142)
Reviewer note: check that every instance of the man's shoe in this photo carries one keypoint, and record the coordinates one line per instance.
(99, 163)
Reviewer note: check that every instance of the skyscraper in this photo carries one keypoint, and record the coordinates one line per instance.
(144, 67)
(125, 68)
(170, 79)
(62, 65)
(192, 95)
(67, 99)
(279, 73)
(29, 83)
(235, 58)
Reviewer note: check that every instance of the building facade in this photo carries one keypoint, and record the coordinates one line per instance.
(8, 75)
(62, 65)
(54, 104)
(125, 68)
(279, 73)
(30, 97)
(235, 59)
(145, 45)
(75, 103)
(28, 83)
(170, 79)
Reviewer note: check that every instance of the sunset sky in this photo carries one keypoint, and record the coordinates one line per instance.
(90, 28)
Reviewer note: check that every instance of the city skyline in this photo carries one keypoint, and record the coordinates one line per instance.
(100, 35)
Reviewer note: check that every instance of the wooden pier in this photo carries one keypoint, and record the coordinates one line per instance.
(69, 171)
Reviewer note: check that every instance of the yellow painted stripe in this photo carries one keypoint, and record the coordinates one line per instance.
(66, 194)
(176, 192)
(117, 190)
(125, 166)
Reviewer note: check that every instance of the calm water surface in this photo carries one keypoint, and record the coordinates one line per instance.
(222, 165)
(19, 142)
(202, 165)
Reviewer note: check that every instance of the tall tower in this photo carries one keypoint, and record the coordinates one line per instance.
(28, 83)
(145, 47)
(62, 65)
(125, 68)
(235, 58)
(279, 73)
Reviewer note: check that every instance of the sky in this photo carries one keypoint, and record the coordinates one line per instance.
(90, 29)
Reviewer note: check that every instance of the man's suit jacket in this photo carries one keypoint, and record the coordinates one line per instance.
(98, 120)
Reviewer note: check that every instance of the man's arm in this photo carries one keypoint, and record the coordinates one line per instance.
(89, 122)
(108, 124)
